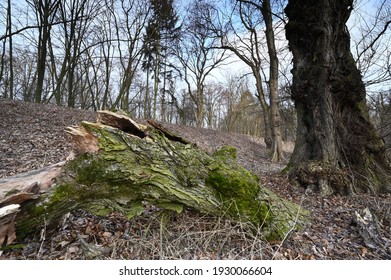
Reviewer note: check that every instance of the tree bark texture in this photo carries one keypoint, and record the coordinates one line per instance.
(123, 165)
(337, 148)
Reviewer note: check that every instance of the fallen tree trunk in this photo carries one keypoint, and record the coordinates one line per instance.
(122, 165)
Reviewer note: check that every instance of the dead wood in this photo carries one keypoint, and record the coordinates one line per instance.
(170, 135)
(368, 227)
(30, 183)
(122, 166)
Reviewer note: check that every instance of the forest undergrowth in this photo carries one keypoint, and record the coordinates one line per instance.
(32, 136)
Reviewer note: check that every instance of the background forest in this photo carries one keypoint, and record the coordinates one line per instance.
(224, 65)
(217, 64)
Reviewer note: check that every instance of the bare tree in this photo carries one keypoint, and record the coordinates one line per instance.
(25, 74)
(99, 62)
(101, 56)
(233, 88)
(275, 118)
(3, 53)
(45, 12)
(245, 39)
(130, 28)
(7, 59)
(213, 94)
(371, 41)
(379, 104)
(76, 17)
(198, 53)
(10, 48)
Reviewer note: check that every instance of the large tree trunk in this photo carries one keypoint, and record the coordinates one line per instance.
(123, 165)
(337, 148)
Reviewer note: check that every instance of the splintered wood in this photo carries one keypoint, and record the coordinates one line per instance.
(83, 140)
(122, 122)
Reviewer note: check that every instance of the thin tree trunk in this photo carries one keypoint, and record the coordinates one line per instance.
(57, 78)
(41, 66)
(200, 105)
(337, 148)
(107, 77)
(45, 11)
(156, 83)
(275, 118)
(67, 53)
(71, 86)
(163, 108)
(11, 58)
(147, 105)
(3, 63)
(125, 86)
(265, 107)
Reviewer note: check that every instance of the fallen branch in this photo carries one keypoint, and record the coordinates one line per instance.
(368, 227)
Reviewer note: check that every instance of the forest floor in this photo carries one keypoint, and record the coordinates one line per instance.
(32, 136)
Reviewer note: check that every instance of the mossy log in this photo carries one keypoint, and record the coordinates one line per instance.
(122, 166)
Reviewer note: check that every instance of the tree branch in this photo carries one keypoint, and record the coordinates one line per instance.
(37, 27)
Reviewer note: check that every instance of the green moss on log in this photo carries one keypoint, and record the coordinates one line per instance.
(226, 153)
(128, 170)
(237, 187)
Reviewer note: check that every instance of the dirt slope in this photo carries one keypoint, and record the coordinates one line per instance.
(32, 135)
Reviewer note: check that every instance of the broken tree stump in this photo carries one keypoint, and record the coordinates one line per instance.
(122, 165)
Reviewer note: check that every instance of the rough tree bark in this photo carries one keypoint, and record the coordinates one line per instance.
(122, 165)
(337, 148)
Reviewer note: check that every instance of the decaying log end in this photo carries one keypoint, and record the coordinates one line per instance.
(84, 141)
(7, 228)
(17, 199)
(31, 182)
(9, 209)
(87, 142)
(16, 190)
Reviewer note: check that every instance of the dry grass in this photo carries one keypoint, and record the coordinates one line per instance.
(193, 236)
(153, 235)
(189, 236)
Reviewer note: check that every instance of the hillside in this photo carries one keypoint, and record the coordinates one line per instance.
(32, 136)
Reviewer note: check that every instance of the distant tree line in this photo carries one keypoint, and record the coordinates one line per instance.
(164, 59)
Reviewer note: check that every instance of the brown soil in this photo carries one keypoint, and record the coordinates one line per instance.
(32, 136)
